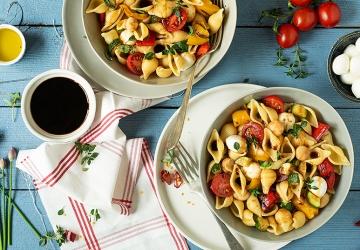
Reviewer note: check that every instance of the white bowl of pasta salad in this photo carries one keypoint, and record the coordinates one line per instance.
(276, 164)
(157, 42)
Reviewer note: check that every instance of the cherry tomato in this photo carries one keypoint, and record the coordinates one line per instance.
(173, 22)
(305, 18)
(255, 129)
(329, 14)
(220, 185)
(274, 102)
(288, 35)
(300, 3)
(101, 17)
(134, 61)
(148, 41)
(165, 176)
(202, 50)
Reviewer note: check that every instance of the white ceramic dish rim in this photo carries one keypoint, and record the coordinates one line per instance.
(26, 99)
(23, 44)
(92, 30)
(203, 237)
(338, 132)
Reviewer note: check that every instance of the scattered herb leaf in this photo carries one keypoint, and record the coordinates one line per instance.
(89, 154)
(265, 164)
(215, 168)
(149, 55)
(126, 48)
(14, 101)
(61, 211)
(59, 237)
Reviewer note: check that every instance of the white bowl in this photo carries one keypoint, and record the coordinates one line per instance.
(97, 43)
(26, 106)
(326, 114)
(23, 44)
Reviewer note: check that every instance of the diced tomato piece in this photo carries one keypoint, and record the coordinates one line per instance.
(177, 180)
(357, 224)
(268, 200)
(165, 176)
(202, 50)
(148, 41)
(318, 132)
(101, 17)
(326, 170)
(70, 235)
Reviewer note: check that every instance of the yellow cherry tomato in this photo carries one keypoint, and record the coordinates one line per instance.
(240, 117)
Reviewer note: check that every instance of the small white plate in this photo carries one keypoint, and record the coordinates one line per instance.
(187, 211)
(89, 62)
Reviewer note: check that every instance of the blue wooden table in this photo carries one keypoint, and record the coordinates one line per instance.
(251, 56)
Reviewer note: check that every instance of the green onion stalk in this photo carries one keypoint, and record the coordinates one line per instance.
(11, 156)
(2, 234)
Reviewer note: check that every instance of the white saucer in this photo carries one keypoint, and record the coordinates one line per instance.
(187, 211)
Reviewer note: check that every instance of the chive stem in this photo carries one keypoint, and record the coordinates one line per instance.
(3, 210)
(9, 207)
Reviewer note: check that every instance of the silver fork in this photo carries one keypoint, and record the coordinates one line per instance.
(214, 41)
(189, 171)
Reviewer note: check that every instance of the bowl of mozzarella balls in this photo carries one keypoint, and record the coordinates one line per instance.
(343, 66)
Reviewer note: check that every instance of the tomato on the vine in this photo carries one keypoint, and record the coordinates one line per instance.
(134, 62)
(329, 14)
(305, 18)
(300, 3)
(288, 35)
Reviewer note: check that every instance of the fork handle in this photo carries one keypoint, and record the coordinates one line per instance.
(176, 133)
(230, 239)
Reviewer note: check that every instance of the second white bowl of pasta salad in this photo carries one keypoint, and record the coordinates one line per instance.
(277, 164)
(157, 42)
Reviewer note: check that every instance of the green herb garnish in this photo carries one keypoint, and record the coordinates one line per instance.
(215, 168)
(236, 146)
(149, 55)
(191, 30)
(169, 156)
(14, 101)
(255, 191)
(89, 154)
(265, 164)
(307, 185)
(179, 47)
(296, 129)
(108, 55)
(126, 48)
(113, 44)
(59, 237)
(94, 214)
(61, 211)
(132, 38)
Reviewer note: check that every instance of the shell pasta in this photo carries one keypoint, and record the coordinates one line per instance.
(274, 166)
(166, 36)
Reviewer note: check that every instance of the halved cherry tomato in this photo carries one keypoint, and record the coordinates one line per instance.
(220, 185)
(134, 61)
(177, 180)
(202, 50)
(300, 3)
(101, 17)
(274, 102)
(318, 132)
(268, 200)
(253, 129)
(165, 176)
(148, 41)
(173, 22)
(305, 18)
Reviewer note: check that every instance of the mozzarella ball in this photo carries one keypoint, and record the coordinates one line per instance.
(355, 88)
(236, 143)
(349, 78)
(351, 50)
(252, 171)
(357, 44)
(302, 153)
(321, 185)
(341, 64)
(355, 65)
(276, 127)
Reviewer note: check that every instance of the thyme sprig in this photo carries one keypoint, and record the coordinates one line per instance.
(279, 16)
(308, 183)
(296, 68)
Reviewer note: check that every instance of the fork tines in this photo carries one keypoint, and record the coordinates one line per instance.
(184, 163)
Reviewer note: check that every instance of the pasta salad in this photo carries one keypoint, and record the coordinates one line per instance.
(157, 36)
(274, 166)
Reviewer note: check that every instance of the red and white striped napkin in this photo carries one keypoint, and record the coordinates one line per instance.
(118, 183)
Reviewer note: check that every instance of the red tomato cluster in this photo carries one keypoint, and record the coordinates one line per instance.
(305, 18)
